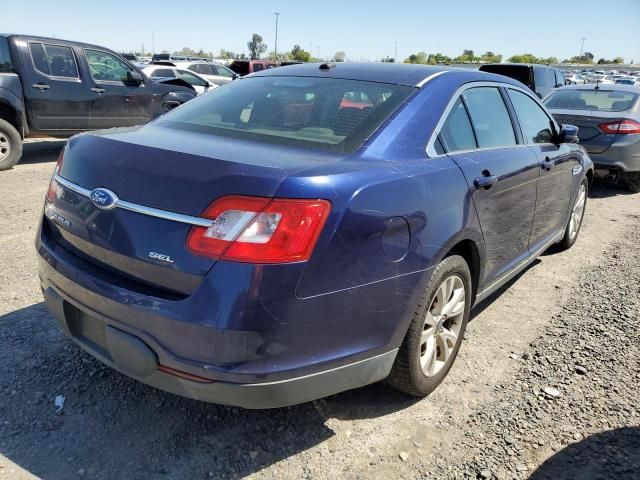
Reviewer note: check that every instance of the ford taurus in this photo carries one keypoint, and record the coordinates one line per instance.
(275, 241)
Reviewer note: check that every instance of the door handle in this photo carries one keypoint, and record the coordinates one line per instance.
(41, 86)
(548, 164)
(485, 181)
(97, 89)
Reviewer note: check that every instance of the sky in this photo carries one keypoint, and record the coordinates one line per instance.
(365, 30)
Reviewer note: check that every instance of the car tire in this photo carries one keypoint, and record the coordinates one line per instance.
(424, 360)
(10, 145)
(632, 181)
(576, 215)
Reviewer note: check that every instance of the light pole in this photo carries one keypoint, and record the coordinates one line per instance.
(582, 47)
(277, 14)
(395, 51)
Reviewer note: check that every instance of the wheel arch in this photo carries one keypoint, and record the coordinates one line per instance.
(9, 114)
(469, 251)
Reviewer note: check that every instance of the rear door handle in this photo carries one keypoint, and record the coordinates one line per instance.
(485, 181)
(41, 86)
(548, 164)
(97, 89)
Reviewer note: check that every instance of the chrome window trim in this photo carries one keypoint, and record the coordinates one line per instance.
(76, 79)
(141, 209)
(431, 150)
(422, 82)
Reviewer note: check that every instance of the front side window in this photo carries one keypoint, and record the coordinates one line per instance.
(105, 67)
(54, 60)
(191, 79)
(536, 125)
(303, 112)
(224, 71)
(489, 117)
(457, 133)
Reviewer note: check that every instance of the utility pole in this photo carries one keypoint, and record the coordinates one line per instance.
(318, 53)
(153, 42)
(395, 51)
(275, 50)
(582, 47)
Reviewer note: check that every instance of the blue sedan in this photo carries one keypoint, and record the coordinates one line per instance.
(306, 230)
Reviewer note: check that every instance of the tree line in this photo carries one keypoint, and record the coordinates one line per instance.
(469, 56)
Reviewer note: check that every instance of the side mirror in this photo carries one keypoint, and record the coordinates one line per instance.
(134, 78)
(568, 134)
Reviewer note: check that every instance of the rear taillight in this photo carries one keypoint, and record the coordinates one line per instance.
(51, 193)
(620, 126)
(260, 230)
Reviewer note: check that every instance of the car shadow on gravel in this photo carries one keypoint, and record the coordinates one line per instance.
(42, 151)
(612, 454)
(115, 427)
(605, 189)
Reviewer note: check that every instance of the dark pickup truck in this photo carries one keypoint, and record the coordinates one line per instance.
(52, 87)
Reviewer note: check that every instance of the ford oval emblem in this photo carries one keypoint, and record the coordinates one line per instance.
(103, 199)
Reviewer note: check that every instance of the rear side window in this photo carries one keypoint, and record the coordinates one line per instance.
(457, 133)
(535, 123)
(54, 60)
(489, 117)
(560, 78)
(223, 71)
(257, 67)
(240, 67)
(522, 73)
(544, 77)
(303, 112)
(593, 100)
(5, 56)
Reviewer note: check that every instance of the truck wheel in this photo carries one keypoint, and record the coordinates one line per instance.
(437, 327)
(10, 145)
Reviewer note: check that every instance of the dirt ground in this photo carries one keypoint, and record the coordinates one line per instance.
(113, 427)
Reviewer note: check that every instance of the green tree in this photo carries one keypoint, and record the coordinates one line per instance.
(618, 60)
(300, 55)
(256, 46)
(388, 59)
(435, 58)
(490, 57)
(468, 56)
(419, 57)
(339, 56)
(524, 58)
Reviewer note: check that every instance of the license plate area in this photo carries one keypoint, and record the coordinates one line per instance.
(87, 329)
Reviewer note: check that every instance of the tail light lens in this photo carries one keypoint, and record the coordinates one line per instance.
(51, 193)
(260, 230)
(621, 126)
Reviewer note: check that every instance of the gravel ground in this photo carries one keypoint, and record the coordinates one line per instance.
(546, 384)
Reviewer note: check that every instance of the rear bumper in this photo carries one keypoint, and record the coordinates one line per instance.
(129, 354)
(622, 155)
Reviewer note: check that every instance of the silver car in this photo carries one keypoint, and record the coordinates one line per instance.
(608, 117)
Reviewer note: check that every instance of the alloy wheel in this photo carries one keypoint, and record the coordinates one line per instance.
(442, 325)
(5, 146)
(577, 212)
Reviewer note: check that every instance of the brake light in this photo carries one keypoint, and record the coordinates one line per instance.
(621, 126)
(260, 230)
(51, 193)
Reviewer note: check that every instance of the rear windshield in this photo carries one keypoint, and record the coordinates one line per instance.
(520, 73)
(316, 113)
(596, 100)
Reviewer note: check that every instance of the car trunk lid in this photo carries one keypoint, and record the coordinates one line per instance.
(592, 138)
(166, 173)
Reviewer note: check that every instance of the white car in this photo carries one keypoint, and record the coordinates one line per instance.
(214, 72)
(198, 82)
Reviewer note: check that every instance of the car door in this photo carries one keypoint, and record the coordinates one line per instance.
(556, 167)
(57, 97)
(223, 75)
(114, 103)
(199, 84)
(479, 136)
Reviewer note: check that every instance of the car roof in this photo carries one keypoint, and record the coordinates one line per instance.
(534, 65)
(394, 73)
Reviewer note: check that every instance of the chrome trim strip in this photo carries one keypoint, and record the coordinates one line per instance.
(141, 209)
(431, 151)
(422, 82)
